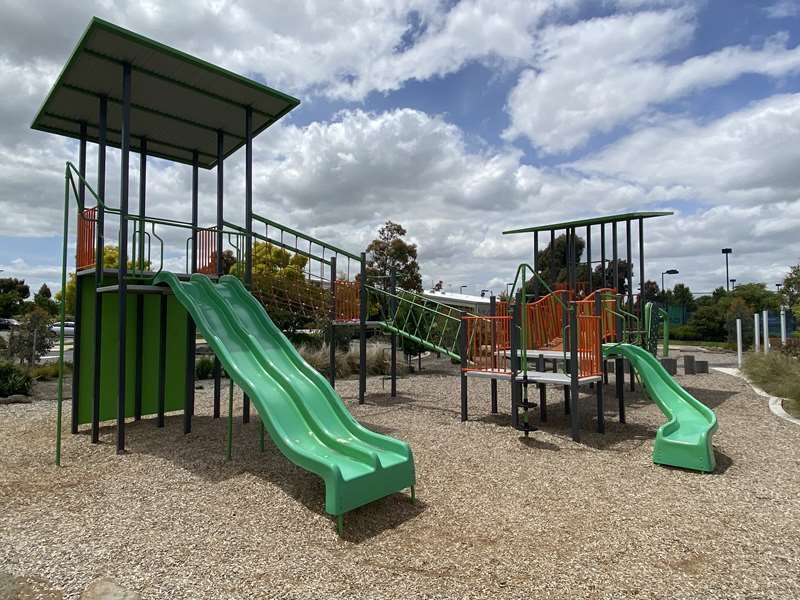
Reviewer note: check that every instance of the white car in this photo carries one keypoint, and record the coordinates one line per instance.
(69, 328)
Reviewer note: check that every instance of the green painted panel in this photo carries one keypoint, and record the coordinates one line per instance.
(177, 322)
(86, 320)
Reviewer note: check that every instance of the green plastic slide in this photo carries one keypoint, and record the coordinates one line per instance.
(302, 413)
(685, 439)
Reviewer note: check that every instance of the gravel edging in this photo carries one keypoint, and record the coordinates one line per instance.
(775, 403)
(497, 515)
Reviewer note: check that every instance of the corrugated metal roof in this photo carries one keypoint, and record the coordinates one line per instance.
(178, 101)
(633, 216)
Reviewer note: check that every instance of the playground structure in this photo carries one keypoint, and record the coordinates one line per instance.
(581, 329)
(136, 323)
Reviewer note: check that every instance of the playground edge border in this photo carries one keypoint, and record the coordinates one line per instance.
(775, 403)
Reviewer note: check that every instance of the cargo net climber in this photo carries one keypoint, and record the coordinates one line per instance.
(295, 275)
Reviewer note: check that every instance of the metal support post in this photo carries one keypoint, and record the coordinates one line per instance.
(122, 273)
(362, 338)
(462, 350)
(393, 336)
(332, 332)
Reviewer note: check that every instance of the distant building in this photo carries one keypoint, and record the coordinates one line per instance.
(477, 305)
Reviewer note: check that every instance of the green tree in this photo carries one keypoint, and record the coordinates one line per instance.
(13, 292)
(389, 250)
(757, 296)
(110, 261)
(709, 322)
(43, 299)
(682, 296)
(790, 291)
(651, 291)
(737, 308)
(551, 262)
(71, 288)
(32, 338)
(279, 283)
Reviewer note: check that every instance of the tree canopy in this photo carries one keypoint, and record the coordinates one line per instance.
(13, 292)
(790, 291)
(551, 264)
(389, 250)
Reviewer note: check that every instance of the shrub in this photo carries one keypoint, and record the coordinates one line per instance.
(204, 367)
(709, 323)
(301, 338)
(14, 380)
(378, 361)
(775, 372)
(48, 371)
(682, 332)
(32, 338)
(791, 347)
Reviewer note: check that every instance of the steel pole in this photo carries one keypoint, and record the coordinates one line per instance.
(739, 342)
(122, 273)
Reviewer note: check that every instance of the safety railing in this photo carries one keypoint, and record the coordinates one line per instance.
(608, 307)
(431, 324)
(487, 343)
(84, 255)
(347, 300)
(206, 250)
(545, 321)
(589, 347)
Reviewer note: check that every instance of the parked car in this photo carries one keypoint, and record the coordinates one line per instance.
(69, 328)
(8, 323)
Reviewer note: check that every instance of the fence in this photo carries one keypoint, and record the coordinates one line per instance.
(487, 344)
(84, 256)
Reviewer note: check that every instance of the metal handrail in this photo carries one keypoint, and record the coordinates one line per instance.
(306, 237)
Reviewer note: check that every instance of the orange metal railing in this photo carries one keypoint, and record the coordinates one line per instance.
(544, 320)
(487, 343)
(206, 251)
(347, 300)
(608, 307)
(84, 255)
(589, 351)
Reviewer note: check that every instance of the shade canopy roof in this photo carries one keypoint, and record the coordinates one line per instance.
(178, 102)
(633, 216)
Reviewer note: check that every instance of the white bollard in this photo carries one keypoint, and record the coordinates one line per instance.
(739, 342)
(765, 324)
(756, 332)
(783, 325)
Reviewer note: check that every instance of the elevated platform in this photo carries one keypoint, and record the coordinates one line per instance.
(545, 377)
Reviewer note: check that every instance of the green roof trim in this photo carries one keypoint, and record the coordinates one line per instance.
(633, 216)
(178, 101)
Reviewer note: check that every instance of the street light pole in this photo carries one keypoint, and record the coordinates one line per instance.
(667, 272)
(726, 252)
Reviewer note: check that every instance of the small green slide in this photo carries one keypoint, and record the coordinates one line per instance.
(685, 439)
(302, 413)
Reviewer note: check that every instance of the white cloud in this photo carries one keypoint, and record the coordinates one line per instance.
(603, 73)
(745, 157)
(341, 50)
(783, 9)
(342, 176)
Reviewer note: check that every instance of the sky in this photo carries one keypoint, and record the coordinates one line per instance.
(457, 120)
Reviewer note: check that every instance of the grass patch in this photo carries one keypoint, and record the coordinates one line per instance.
(777, 374)
(703, 343)
(48, 371)
(378, 361)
